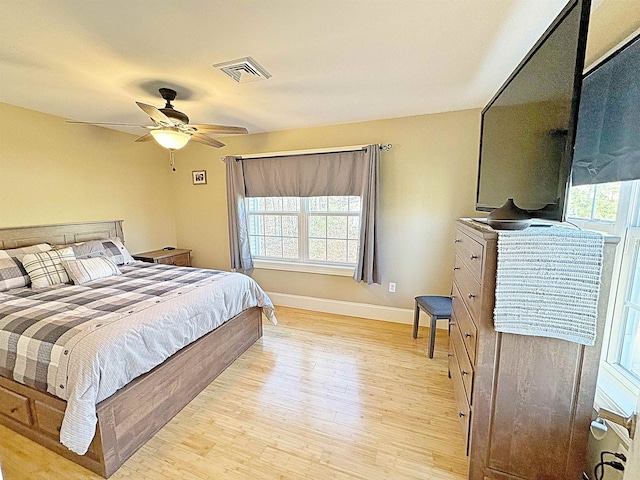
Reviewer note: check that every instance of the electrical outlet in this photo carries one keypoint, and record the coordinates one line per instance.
(392, 287)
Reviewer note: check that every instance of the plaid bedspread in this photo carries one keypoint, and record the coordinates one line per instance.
(39, 327)
(84, 342)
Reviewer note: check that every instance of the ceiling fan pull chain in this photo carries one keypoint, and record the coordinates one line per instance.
(171, 159)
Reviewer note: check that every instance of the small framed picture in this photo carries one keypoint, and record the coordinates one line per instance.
(199, 177)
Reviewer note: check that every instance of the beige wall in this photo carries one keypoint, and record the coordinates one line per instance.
(51, 172)
(610, 24)
(427, 180)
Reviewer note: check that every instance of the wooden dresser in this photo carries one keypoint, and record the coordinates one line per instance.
(524, 402)
(177, 256)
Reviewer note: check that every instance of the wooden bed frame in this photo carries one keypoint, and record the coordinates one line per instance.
(136, 412)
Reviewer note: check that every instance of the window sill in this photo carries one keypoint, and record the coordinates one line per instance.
(336, 270)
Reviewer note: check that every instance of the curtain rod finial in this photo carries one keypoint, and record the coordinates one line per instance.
(386, 147)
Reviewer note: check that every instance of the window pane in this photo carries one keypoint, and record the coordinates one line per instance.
(581, 201)
(257, 246)
(254, 225)
(337, 250)
(336, 227)
(354, 228)
(354, 204)
(606, 201)
(291, 204)
(290, 247)
(317, 204)
(273, 246)
(352, 256)
(272, 225)
(290, 225)
(273, 204)
(317, 249)
(630, 353)
(317, 226)
(338, 204)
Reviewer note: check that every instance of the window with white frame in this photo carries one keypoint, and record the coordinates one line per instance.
(307, 231)
(614, 208)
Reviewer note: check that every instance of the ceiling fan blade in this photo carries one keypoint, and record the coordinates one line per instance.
(200, 138)
(107, 123)
(156, 115)
(145, 138)
(219, 129)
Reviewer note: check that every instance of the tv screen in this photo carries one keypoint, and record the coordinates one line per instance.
(528, 128)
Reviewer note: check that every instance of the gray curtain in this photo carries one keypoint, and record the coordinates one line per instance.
(337, 173)
(241, 260)
(367, 266)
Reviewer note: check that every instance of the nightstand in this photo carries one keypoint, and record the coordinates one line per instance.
(178, 256)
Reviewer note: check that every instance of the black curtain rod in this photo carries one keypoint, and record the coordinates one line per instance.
(384, 148)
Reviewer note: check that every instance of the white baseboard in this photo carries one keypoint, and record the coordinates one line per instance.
(352, 309)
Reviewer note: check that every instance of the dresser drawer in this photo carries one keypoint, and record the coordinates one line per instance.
(15, 406)
(467, 326)
(466, 370)
(468, 287)
(471, 253)
(464, 411)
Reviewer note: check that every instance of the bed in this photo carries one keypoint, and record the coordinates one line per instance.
(143, 402)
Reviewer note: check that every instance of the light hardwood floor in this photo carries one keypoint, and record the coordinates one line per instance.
(319, 396)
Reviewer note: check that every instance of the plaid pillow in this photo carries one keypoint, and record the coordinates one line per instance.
(111, 248)
(89, 269)
(119, 251)
(12, 273)
(45, 269)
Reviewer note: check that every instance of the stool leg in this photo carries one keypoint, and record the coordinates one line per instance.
(416, 319)
(432, 340)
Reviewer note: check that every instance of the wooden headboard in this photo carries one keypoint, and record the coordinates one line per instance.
(61, 234)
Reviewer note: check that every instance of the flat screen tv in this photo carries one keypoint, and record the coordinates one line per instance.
(528, 128)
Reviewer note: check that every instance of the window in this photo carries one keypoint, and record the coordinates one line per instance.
(614, 208)
(594, 202)
(311, 231)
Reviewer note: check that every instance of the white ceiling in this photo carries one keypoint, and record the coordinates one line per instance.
(332, 61)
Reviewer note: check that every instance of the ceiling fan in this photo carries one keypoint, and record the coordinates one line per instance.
(171, 128)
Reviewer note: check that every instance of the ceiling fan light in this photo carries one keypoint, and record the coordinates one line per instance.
(171, 139)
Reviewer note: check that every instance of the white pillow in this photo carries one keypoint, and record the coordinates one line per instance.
(89, 269)
(45, 269)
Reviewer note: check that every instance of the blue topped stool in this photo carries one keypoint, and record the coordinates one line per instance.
(438, 307)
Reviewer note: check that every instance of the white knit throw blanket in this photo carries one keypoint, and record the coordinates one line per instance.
(548, 282)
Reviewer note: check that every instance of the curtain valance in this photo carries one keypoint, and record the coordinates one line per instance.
(325, 174)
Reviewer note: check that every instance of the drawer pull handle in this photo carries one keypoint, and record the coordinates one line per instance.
(471, 295)
(449, 354)
(473, 257)
(456, 268)
(14, 409)
(467, 334)
(464, 372)
(457, 240)
(460, 414)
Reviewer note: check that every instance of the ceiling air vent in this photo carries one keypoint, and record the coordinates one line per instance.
(243, 70)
